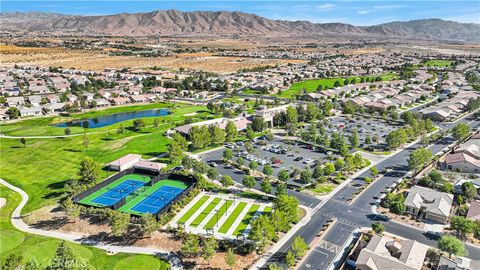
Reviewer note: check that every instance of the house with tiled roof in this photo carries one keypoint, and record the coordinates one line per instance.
(429, 204)
(386, 252)
(474, 211)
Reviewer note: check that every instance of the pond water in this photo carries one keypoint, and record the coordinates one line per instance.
(111, 119)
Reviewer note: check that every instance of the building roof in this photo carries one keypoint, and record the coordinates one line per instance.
(149, 165)
(435, 202)
(474, 211)
(384, 252)
(126, 160)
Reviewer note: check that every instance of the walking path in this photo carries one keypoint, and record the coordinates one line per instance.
(18, 223)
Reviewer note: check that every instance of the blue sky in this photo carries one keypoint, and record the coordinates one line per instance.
(347, 11)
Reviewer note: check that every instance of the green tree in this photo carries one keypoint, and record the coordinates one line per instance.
(175, 152)
(85, 141)
(262, 232)
(138, 124)
(283, 175)
(306, 175)
(281, 189)
(267, 169)
(210, 244)
(156, 123)
(419, 159)
(89, 171)
(230, 258)
(378, 227)
(462, 226)
(119, 223)
(266, 186)
(67, 131)
(289, 205)
(191, 245)
(258, 124)
(451, 245)
(329, 168)
(274, 266)
(23, 141)
(13, 113)
(353, 139)
(32, 265)
(70, 208)
(217, 135)
(299, 247)
(281, 221)
(461, 131)
(227, 154)
(227, 181)
(253, 165)
(374, 171)
(249, 181)
(13, 262)
(290, 260)
(148, 224)
(231, 132)
(64, 259)
(291, 115)
(250, 133)
(120, 129)
(469, 191)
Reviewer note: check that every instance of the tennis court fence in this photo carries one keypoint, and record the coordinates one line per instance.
(97, 187)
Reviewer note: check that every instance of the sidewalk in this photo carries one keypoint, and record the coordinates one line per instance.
(18, 223)
(265, 257)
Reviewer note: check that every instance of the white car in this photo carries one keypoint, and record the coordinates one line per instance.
(308, 161)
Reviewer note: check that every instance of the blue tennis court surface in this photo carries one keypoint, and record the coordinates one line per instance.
(119, 192)
(157, 200)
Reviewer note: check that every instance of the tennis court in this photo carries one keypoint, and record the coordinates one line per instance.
(152, 199)
(116, 191)
(158, 200)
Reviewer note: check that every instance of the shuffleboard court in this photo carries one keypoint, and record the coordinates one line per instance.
(156, 201)
(116, 191)
(193, 209)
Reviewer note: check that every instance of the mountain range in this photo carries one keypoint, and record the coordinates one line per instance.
(222, 23)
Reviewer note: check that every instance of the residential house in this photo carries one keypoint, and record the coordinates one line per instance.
(385, 252)
(15, 101)
(474, 211)
(120, 101)
(429, 204)
(30, 111)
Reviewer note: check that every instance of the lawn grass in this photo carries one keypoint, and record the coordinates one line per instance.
(223, 209)
(43, 166)
(322, 189)
(246, 219)
(233, 216)
(205, 212)
(192, 210)
(42, 249)
(312, 85)
(439, 63)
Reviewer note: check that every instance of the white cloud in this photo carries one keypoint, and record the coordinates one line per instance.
(325, 6)
(363, 12)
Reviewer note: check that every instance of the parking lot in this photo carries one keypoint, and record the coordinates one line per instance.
(263, 154)
(278, 154)
(374, 128)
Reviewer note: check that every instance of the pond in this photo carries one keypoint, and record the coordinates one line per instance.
(111, 119)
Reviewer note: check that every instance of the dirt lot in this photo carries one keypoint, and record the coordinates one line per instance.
(50, 218)
(98, 60)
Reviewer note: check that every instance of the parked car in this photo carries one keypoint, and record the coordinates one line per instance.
(298, 158)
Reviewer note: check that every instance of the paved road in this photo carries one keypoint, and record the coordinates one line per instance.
(358, 214)
(18, 223)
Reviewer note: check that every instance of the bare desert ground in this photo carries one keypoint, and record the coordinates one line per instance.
(97, 60)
